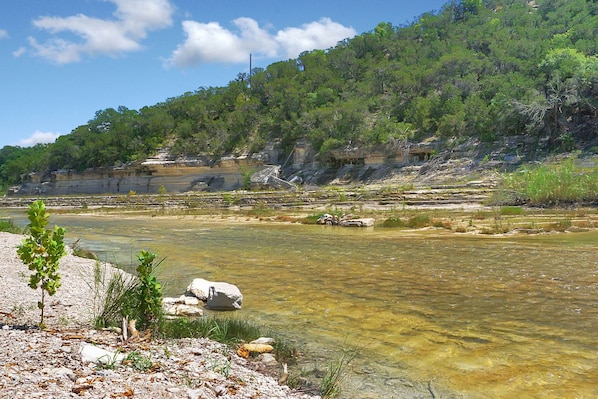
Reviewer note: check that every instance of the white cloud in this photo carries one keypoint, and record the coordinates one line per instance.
(39, 138)
(19, 52)
(322, 34)
(3, 34)
(210, 42)
(134, 18)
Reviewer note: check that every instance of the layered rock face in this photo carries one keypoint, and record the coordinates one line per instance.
(171, 178)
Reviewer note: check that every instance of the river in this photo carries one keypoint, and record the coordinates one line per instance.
(485, 316)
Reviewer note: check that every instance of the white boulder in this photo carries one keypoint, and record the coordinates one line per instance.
(200, 288)
(224, 296)
(217, 295)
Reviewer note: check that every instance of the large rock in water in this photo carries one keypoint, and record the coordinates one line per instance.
(200, 288)
(217, 295)
(224, 296)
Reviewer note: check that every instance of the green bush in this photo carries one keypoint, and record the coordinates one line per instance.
(419, 221)
(134, 298)
(41, 252)
(393, 222)
(148, 296)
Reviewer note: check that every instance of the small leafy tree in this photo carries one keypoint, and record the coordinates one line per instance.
(41, 252)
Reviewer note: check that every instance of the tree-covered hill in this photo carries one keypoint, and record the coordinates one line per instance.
(482, 69)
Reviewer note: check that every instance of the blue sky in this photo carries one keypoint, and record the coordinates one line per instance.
(63, 60)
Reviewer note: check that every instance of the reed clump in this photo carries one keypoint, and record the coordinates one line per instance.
(551, 184)
(335, 375)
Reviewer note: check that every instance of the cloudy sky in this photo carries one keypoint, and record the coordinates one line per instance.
(63, 60)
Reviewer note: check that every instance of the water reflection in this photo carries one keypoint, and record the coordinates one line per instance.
(488, 316)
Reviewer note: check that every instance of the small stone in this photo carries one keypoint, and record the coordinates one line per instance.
(258, 348)
(92, 354)
(170, 301)
(263, 340)
(219, 390)
(267, 358)
(183, 310)
(191, 301)
(197, 393)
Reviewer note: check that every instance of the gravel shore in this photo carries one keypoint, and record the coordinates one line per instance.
(49, 363)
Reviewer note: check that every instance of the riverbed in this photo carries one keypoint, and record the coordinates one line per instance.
(485, 316)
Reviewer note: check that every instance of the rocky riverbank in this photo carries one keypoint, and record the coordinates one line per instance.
(52, 363)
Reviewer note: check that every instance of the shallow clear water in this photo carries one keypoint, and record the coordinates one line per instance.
(490, 317)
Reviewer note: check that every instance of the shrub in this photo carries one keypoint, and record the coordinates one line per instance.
(138, 298)
(418, 221)
(393, 222)
(41, 252)
(147, 296)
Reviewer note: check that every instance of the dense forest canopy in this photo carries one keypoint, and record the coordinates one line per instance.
(477, 68)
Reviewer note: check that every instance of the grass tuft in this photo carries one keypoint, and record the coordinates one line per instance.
(8, 226)
(551, 184)
(335, 375)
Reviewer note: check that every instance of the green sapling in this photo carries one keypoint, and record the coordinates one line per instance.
(41, 252)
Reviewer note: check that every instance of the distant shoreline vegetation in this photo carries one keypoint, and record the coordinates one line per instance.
(552, 184)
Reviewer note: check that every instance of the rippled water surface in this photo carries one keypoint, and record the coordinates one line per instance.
(490, 317)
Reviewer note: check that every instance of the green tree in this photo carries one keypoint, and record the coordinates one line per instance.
(41, 252)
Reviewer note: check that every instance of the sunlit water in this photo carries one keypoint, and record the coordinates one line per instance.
(489, 317)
